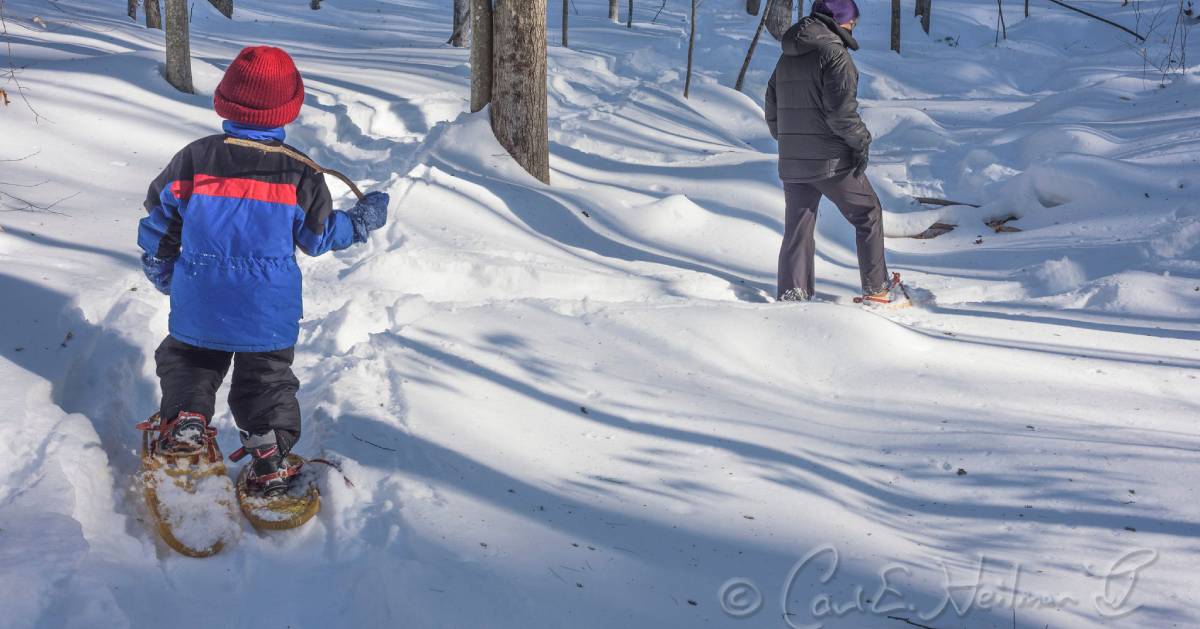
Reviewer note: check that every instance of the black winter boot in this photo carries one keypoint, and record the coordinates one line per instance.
(269, 474)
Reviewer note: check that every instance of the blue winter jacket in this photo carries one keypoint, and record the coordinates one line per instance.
(230, 218)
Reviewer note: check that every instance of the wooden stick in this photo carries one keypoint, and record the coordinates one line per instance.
(1093, 15)
(942, 202)
(271, 148)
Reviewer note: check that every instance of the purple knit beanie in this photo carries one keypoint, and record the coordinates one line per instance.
(842, 11)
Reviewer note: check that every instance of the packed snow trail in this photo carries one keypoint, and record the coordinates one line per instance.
(573, 405)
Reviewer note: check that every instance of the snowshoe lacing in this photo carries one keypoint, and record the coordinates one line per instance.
(283, 473)
(153, 430)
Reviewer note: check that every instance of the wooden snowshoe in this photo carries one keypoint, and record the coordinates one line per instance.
(290, 510)
(187, 493)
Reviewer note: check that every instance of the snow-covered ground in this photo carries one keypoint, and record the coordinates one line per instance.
(575, 405)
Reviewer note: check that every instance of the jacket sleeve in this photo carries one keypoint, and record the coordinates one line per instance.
(160, 231)
(771, 110)
(839, 96)
(318, 227)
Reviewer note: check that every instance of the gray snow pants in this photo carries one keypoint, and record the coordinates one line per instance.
(855, 197)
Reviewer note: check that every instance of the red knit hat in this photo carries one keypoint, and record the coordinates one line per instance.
(261, 88)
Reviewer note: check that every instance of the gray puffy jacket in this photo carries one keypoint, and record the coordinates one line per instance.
(812, 102)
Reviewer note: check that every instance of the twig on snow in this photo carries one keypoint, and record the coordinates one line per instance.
(907, 621)
(660, 10)
(372, 443)
(30, 206)
(1097, 17)
(11, 73)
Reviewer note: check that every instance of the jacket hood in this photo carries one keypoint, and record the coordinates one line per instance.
(813, 32)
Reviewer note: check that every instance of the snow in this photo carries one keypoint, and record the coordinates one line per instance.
(576, 405)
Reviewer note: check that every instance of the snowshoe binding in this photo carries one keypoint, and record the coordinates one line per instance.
(895, 296)
(274, 490)
(185, 485)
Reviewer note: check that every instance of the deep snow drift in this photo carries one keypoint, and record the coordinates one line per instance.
(575, 405)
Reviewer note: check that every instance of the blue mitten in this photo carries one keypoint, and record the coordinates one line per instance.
(158, 271)
(369, 214)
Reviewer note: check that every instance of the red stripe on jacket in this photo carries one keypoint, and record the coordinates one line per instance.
(236, 188)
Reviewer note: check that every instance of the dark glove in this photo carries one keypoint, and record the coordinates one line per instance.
(369, 214)
(159, 271)
(860, 159)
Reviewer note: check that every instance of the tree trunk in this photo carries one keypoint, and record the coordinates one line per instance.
(896, 25)
(687, 82)
(481, 54)
(1026, 8)
(741, 80)
(923, 8)
(519, 85)
(629, 24)
(781, 17)
(153, 14)
(131, 8)
(179, 52)
(565, 24)
(224, 6)
(753, 6)
(613, 11)
(462, 23)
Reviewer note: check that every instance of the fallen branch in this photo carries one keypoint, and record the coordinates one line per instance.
(372, 443)
(30, 206)
(941, 202)
(1097, 17)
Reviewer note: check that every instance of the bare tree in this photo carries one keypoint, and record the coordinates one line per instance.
(519, 84)
(781, 17)
(131, 8)
(224, 6)
(687, 82)
(481, 54)
(752, 6)
(613, 10)
(179, 53)
(741, 79)
(153, 14)
(896, 25)
(565, 25)
(462, 23)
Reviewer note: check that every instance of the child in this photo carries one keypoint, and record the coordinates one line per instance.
(224, 222)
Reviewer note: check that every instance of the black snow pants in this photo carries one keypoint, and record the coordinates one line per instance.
(262, 396)
(858, 202)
